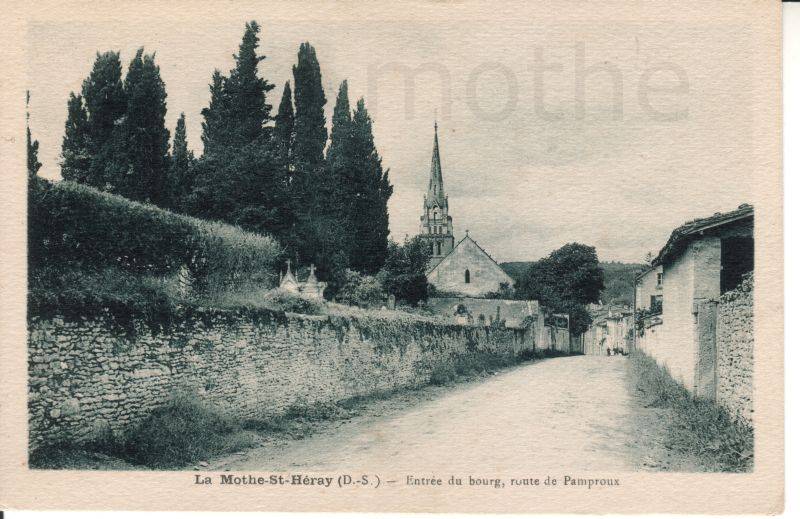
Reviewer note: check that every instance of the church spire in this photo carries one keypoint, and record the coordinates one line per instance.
(436, 183)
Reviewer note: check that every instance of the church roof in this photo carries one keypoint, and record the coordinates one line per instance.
(436, 183)
(467, 237)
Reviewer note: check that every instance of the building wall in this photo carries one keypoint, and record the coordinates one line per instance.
(485, 274)
(677, 345)
(691, 277)
(735, 341)
(88, 376)
(646, 286)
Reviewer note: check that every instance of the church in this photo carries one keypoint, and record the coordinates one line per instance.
(463, 268)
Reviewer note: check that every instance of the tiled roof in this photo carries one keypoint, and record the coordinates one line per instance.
(681, 236)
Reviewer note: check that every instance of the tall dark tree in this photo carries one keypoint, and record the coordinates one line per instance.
(139, 167)
(237, 179)
(246, 91)
(403, 273)
(32, 145)
(76, 154)
(311, 135)
(287, 199)
(181, 162)
(284, 132)
(106, 104)
(319, 230)
(372, 189)
(565, 282)
(215, 116)
(341, 180)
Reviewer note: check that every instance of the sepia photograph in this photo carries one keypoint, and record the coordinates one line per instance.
(420, 251)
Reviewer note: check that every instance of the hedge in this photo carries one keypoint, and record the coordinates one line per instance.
(72, 226)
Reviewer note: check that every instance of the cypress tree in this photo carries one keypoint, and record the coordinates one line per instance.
(215, 115)
(105, 105)
(140, 169)
(343, 189)
(180, 167)
(75, 152)
(372, 190)
(311, 134)
(32, 145)
(247, 92)
(283, 144)
(237, 178)
(284, 133)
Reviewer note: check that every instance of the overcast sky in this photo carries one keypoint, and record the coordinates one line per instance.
(526, 169)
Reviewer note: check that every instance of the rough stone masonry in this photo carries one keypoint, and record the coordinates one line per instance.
(735, 341)
(87, 376)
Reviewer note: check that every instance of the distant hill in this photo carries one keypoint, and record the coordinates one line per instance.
(618, 278)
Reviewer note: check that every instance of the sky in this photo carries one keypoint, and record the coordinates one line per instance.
(550, 131)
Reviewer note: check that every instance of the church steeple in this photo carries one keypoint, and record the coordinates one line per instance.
(436, 182)
(436, 225)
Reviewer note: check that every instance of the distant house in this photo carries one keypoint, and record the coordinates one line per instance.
(702, 260)
(610, 329)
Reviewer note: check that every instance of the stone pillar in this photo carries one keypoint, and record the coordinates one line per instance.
(705, 312)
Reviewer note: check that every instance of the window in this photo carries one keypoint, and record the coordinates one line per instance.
(659, 279)
(466, 276)
(438, 248)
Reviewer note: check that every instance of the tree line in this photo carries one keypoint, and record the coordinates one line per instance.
(324, 197)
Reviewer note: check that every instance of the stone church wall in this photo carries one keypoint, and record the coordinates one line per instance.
(87, 376)
(484, 274)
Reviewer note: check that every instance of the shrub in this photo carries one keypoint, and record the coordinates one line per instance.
(75, 225)
(360, 290)
(295, 303)
(182, 432)
(442, 374)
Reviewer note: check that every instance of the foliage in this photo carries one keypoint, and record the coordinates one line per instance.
(181, 168)
(238, 179)
(183, 431)
(295, 303)
(361, 290)
(32, 145)
(565, 282)
(104, 98)
(75, 148)
(403, 274)
(695, 426)
(617, 278)
(505, 291)
(75, 226)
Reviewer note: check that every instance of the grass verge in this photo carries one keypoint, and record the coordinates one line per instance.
(698, 427)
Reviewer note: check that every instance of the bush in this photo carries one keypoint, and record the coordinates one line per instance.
(75, 225)
(294, 303)
(184, 431)
(360, 290)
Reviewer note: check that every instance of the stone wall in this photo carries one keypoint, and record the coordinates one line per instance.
(88, 376)
(735, 340)
(513, 312)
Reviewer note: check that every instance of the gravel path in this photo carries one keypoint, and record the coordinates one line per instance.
(575, 413)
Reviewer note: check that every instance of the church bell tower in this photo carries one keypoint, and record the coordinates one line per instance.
(436, 225)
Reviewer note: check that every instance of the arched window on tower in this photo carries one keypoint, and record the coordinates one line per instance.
(466, 276)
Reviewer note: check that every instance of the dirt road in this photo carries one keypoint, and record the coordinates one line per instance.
(573, 412)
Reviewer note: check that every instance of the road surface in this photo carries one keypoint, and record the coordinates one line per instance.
(577, 413)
